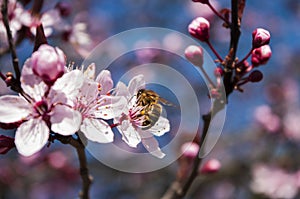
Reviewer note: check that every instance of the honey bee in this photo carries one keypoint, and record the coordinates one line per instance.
(152, 109)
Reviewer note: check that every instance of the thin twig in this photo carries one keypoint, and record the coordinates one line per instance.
(84, 171)
(214, 51)
(178, 190)
(15, 60)
(218, 14)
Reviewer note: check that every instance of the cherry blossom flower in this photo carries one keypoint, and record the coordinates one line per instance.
(42, 108)
(130, 123)
(264, 115)
(95, 104)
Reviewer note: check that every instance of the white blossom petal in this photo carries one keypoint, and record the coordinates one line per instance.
(161, 127)
(110, 107)
(69, 85)
(106, 82)
(135, 84)
(88, 92)
(65, 120)
(31, 83)
(31, 136)
(129, 134)
(97, 130)
(13, 108)
(151, 144)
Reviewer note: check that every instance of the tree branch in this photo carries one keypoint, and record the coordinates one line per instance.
(178, 189)
(15, 60)
(84, 171)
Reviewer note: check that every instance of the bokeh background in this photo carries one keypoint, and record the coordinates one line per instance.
(259, 146)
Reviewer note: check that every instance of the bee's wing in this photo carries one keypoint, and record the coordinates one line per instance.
(166, 102)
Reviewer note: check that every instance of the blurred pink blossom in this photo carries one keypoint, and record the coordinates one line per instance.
(264, 115)
(274, 182)
(291, 125)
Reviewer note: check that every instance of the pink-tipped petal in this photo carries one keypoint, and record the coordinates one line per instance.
(31, 136)
(105, 81)
(65, 120)
(13, 109)
(97, 130)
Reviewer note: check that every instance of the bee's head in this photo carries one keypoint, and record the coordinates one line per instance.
(140, 92)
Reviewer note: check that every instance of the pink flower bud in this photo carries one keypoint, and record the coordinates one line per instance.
(211, 166)
(199, 28)
(260, 37)
(195, 55)
(190, 150)
(6, 143)
(255, 76)
(48, 63)
(218, 72)
(202, 1)
(261, 55)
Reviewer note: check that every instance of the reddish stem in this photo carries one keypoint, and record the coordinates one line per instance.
(218, 14)
(246, 57)
(214, 51)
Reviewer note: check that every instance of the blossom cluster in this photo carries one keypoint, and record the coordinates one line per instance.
(260, 53)
(24, 23)
(58, 100)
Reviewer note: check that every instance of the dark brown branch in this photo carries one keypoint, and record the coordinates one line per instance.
(178, 189)
(15, 60)
(84, 171)
(234, 40)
